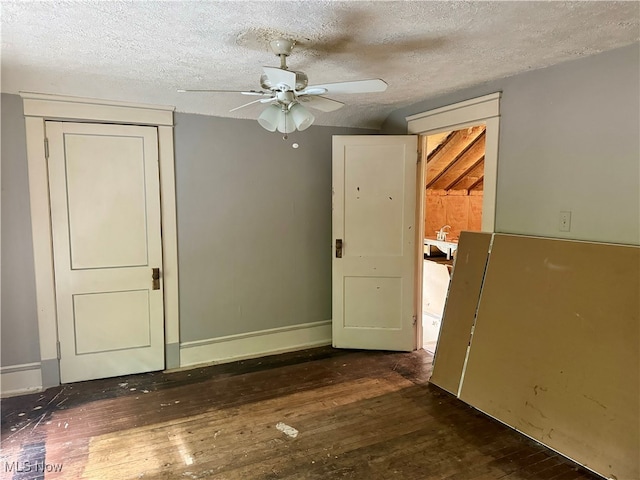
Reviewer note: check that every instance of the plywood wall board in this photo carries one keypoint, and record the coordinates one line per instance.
(475, 213)
(460, 308)
(457, 193)
(457, 215)
(460, 212)
(435, 215)
(555, 353)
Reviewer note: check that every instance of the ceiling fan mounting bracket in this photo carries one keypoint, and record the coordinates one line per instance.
(282, 47)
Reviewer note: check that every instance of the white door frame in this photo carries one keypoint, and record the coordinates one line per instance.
(481, 110)
(39, 108)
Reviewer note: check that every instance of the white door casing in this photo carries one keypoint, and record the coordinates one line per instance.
(105, 216)
(374, 201)
(483, 110)
(38, 108)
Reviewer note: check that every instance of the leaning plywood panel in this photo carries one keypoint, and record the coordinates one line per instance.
(555, 348)
(460, 309)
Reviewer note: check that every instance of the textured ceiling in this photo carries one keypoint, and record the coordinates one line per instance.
(143, 51)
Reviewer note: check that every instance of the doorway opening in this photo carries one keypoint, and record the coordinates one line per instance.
(452, 197)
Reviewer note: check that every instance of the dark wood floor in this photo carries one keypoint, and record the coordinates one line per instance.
(360, 415)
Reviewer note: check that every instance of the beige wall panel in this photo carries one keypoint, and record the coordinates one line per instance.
(460, 309)
(555, 348)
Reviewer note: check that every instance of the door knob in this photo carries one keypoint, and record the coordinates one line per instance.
(155, 276)
(338, 248)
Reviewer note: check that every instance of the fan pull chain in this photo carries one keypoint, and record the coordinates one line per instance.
(285, 136)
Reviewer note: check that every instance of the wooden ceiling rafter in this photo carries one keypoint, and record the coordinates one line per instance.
(450, 151)
(461, 165)
(471, 178)
(440, 139)
(479, 186)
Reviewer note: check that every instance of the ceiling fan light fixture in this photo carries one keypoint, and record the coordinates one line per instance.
(301, 117)
(270, 118)
(286, 125)
(285, 89)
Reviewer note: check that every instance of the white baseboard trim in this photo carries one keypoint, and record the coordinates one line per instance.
(255, 344)
(20, 379)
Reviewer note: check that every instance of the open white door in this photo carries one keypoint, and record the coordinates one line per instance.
(374, 210)
(105, 217)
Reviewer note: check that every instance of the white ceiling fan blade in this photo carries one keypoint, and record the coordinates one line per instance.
(323, 104)
(260, 100)
(247, 92)
(357, 86)
(280, 77)
(253, 92)
(312, 91)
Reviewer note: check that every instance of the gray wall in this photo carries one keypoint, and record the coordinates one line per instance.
(19, 321)
(569, 140)
(254, 229)
(254, 226)
(254, 214)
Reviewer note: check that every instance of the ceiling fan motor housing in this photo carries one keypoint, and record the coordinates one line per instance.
(285, 98)
(301, 82)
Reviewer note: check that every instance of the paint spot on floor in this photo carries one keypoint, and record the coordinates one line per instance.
(287, 430)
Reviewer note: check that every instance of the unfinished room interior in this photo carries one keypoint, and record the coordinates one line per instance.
(320, 239)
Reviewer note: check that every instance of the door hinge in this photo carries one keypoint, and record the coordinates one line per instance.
(58, 349)
(46, 148)
(415, 319)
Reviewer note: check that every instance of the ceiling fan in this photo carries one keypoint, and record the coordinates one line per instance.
(287, 90)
